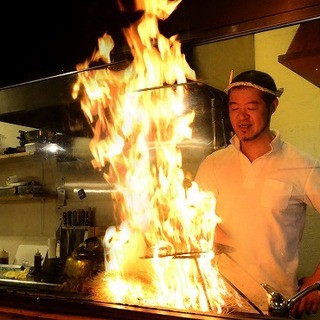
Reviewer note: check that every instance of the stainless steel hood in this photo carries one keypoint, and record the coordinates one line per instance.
(48, 101)
(44, 103)
(48, 104)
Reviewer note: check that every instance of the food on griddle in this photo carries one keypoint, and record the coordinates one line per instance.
(18, 274)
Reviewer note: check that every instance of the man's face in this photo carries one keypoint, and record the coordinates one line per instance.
(249, 114)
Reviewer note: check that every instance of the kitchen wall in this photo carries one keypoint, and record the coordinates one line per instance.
(27, 221)
(34, 221)
(8, 135)
(214, 61)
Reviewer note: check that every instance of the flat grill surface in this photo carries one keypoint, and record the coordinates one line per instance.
(36, 294)
(78, 306)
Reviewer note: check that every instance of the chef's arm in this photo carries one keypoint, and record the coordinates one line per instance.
(310, 303)
(316, 275)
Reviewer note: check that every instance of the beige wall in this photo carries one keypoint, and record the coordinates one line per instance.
(27, 221)
(299, 111)
(9, 134)
(215, 61)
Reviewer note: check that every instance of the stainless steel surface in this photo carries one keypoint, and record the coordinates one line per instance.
(30, 283)
(79, 174)
(220, 134)
(242, 295)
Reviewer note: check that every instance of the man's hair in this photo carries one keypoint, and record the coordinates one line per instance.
(261, 79)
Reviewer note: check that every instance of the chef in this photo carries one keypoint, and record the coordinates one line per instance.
(262, 186)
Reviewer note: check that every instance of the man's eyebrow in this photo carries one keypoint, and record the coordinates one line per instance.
(249, 102)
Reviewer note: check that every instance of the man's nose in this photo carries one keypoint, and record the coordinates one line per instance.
(243, 114)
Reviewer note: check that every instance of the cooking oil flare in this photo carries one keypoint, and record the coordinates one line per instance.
(137, 133)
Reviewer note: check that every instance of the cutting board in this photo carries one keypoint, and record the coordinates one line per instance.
(25, 253)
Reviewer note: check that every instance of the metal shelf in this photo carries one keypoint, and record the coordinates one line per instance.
(24, 197)
(16, 155)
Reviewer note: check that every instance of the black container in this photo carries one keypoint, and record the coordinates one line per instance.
(4, 257)
(37, 263)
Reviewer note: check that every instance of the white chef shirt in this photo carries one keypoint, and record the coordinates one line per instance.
(263, 208)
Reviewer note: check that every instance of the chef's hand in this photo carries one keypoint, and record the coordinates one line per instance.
(308, 304)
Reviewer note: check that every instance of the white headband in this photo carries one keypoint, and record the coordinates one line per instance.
(277, 93)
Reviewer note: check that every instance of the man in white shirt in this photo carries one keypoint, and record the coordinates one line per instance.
(262, 186)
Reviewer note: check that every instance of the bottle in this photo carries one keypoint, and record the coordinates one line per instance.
(37, 263)
(4, 257)
(58, 249)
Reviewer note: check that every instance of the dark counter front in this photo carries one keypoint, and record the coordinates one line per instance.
(49, 307)
(39, 297)
(25, 296)
(33, 300)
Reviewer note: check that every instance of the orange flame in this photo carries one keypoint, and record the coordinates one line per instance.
(165, 230)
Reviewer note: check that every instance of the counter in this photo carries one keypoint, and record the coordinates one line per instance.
(45, 307)
(39, 297)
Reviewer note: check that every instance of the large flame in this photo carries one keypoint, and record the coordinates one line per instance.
(160, 251)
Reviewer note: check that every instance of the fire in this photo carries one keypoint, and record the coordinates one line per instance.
(160, 251)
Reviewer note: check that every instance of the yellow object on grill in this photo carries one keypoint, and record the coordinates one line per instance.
(18, 275)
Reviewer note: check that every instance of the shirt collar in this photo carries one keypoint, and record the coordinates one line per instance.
(275, 144)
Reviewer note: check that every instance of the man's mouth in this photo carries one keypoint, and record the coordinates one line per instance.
(244, 126)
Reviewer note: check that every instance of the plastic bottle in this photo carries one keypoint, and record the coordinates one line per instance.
(37, 263)
(4, 257)
(58, 249)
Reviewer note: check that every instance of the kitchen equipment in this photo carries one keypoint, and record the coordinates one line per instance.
(86, 260)
(280, 307)
(7, 191)
(4, 257)
(52, 248)
(70, 238)
(25, 254)
(36, 136)
(37, 263)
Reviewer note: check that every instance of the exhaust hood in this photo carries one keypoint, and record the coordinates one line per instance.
(45, 103)
(48, 101)
(303, 54)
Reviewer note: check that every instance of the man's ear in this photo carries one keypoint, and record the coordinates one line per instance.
(274, 105)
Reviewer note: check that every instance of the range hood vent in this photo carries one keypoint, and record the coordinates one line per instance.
(45, 104)
(303, 54)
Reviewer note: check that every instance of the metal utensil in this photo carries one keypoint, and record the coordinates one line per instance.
(278, 305)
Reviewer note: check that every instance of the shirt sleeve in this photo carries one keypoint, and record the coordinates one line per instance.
(312, 187)
(205, 177)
